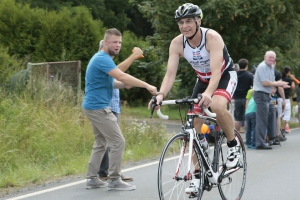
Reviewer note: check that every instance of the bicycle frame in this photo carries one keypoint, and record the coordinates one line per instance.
(212, 175)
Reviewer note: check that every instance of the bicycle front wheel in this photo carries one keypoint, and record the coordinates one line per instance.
(233, 184)
(173, 174)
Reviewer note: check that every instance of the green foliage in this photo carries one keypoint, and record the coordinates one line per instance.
(120, 14)
(9, 65)
(70, 34)
(141, 137)
(19, 28)
(39, 36)
(46, 136)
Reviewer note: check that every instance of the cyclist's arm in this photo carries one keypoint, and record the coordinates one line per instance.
(173, 61)
(215, 47)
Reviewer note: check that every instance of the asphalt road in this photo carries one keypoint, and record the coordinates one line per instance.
(272, 175)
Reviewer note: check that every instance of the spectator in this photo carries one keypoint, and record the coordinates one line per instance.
(250, 116)
(231, 104)
(245, 82)
(115, 106)
(272, 122)
(298, 101)
(280, 99)
(298, 94)
(264, 80)
(287, 91)
(100, 80)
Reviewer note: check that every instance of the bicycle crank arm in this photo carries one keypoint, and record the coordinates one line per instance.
(226, 174)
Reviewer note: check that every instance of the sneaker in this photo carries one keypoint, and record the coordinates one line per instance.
(287, 129)
(118, 184)
(274, 142)
(281, 138)
(95, 183)
(194, 186)
(233, 156)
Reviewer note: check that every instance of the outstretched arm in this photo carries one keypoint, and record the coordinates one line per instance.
(131, 81)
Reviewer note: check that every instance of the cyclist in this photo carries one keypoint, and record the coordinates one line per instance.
(205, 50)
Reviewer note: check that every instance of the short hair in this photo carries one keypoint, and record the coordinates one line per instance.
(243, 63)
(101, 44)
(236, 67)
(271, 53)
(112, 31)
(285, 71)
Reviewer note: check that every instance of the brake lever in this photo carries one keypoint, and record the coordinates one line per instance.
(153, 99)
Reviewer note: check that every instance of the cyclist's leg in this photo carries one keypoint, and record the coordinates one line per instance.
(220, 100)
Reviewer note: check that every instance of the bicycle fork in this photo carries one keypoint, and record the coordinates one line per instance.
(188, 176)
(212, 176)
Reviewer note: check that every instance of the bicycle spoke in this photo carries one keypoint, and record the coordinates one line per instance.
(171, 187)
(233, 182)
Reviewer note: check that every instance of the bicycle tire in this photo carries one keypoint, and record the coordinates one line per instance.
(168, 186)
(232, 187)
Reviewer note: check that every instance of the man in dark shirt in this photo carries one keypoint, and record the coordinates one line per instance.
(245, 82)
(280, 104)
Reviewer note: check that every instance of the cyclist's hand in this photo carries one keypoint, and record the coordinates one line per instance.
(137, 52)
(205, 100)
(152, 89)
(157, 100)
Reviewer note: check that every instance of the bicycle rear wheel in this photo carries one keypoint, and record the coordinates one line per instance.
(233, 184)
(173, 169)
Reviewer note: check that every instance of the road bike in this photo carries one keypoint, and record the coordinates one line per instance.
(175, 169)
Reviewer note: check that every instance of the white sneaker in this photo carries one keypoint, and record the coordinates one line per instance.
(194, 186)
(233, 156)
(95, 183)
(118, 184)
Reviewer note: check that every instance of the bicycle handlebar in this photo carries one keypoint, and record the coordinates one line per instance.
(179, 101)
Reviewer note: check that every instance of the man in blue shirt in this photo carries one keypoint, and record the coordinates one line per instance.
(102, 75)
(115, 106)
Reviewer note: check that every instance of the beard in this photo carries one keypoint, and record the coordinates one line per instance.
(111, 53)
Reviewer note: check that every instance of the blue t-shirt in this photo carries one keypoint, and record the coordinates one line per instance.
(98, 84)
